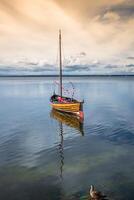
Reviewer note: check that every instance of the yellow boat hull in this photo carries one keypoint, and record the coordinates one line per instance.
(67, 107)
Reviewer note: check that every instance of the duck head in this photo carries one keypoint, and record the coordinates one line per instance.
(91, 188)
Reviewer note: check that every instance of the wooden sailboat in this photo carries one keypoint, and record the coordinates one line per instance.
(62, 103)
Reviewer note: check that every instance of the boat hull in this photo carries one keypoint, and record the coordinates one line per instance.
(67, 107)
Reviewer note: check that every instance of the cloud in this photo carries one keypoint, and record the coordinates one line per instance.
(101, 30)
(111, 16)
(17, 16)
(122, 11)
(79, 68)
(82, 54)
(84, 10)
(130, 65)
(130, 57)
(31, 68)
(109, 66)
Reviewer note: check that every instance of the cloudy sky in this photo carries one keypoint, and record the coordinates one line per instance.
(97, 34)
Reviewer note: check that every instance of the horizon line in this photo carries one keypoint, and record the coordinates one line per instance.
(66, 75)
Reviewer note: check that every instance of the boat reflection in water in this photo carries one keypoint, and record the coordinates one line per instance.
(69, 120)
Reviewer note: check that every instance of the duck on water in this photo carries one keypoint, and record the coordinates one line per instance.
(96, 195)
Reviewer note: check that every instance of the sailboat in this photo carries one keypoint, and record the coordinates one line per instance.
(63, 103)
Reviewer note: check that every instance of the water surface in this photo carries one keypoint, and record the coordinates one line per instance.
(45, 155)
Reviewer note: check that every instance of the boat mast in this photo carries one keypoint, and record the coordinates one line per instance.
(60, 62)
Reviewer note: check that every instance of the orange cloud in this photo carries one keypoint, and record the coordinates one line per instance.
(30, 27)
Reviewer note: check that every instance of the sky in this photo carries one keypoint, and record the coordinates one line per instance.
(97, 36)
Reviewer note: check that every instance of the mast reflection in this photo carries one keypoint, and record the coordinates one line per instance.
(61, 148)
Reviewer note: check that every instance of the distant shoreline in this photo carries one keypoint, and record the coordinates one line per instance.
(106, 75)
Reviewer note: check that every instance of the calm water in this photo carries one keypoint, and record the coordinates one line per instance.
(47, 156)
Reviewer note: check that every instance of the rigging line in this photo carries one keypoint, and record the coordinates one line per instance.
(71, 92)
(73, 89)
(64, 65)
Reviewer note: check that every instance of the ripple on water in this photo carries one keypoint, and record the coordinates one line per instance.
(38, 160)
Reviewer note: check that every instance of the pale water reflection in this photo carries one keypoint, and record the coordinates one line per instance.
(49, 156)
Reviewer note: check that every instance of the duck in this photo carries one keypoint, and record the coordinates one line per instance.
(95, 195)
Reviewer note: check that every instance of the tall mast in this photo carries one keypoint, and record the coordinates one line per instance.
(60, 62)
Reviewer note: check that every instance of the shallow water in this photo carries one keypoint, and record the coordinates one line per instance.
(44, 155)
